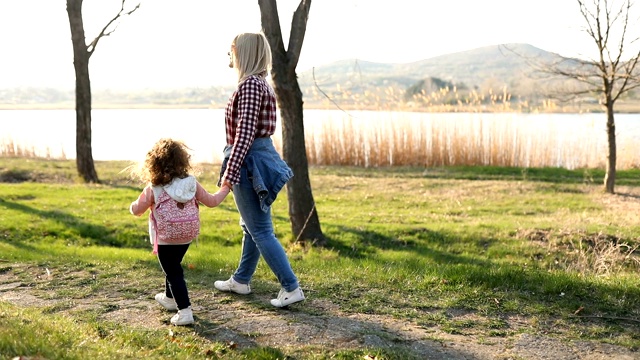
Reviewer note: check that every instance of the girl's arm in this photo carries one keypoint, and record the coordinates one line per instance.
(145, 201)
(208, 199)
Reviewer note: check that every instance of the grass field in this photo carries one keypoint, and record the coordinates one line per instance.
(463, 250)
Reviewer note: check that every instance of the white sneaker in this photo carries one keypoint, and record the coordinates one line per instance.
(167, 302)
(287, 298)
(232, 285)
(183, 317)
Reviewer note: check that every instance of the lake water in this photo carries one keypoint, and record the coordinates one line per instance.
(127, 134)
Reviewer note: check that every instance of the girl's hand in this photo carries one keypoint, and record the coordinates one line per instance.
(227, 185)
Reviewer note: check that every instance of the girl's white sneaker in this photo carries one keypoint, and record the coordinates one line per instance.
(166, 302)
(183, 317)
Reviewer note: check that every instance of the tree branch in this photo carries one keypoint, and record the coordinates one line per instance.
(625, 23)
(609, 76)
(92, 46)
(298, 29)
(315, 82)
(630, 82)
(271, 28)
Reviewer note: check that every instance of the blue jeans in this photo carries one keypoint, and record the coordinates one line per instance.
(259, 238)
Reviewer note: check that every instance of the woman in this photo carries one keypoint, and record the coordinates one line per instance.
(254, 170)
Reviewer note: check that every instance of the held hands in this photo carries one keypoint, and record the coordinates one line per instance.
(212, 200)
(227, 185)
(223, 192)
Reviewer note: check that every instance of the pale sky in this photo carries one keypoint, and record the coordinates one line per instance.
(168, 43)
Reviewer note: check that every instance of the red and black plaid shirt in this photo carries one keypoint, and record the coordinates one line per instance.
(250, 114)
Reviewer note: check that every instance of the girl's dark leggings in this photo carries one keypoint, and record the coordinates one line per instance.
(170, 257)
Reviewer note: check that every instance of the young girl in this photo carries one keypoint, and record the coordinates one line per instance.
(166, 169)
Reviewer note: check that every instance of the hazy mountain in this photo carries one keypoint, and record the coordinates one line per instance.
(467, 77)
(474, 67)
(497, 66)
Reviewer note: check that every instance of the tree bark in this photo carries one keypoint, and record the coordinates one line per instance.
(303, 213)
(81, 55)
(610, 176)
(305, 223)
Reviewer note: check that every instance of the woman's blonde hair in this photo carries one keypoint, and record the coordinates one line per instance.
(251, 55)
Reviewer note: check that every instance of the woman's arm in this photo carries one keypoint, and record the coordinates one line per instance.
(249, 96)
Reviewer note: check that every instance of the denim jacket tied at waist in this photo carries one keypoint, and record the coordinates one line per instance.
(266, 171)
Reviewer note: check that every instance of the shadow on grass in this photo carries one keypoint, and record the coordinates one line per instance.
(315, 331)
(550, 175)
(365, 243)
(485, 278)
(20, 245)
(123, 186)
(98, 235)
(220, 333)
(630, 177)
(626, 195)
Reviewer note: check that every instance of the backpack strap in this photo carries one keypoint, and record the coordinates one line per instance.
(157, 191)
(155, 234)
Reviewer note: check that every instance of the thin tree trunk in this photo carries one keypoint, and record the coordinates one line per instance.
(303, 213)
(305, 223)
(610, 176)
(84, 155)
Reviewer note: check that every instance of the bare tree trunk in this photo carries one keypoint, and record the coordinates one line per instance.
(610, 176)
(84, 155)
(303, 213)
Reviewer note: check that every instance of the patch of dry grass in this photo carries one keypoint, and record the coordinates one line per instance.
(586, 253)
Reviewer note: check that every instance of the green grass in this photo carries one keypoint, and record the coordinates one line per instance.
(461, 249)
(64, 338)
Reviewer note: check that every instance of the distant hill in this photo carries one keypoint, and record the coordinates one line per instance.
(493, 69)
(492, 66)
(475, 67)
(484, 78)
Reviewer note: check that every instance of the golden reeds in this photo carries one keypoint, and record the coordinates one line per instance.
(437, 141)
(8, 148)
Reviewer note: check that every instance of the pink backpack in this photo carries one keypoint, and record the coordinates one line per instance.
(174, 222)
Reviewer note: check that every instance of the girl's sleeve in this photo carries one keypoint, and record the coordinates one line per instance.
(208, 199)
(144, 202)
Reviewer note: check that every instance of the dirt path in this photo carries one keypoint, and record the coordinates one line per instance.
(234, 319)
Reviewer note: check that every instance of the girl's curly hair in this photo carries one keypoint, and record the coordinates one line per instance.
(167, 160)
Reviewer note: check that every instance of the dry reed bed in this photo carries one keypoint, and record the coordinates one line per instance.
(393, 139)
(8, 148)
(472, 142)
